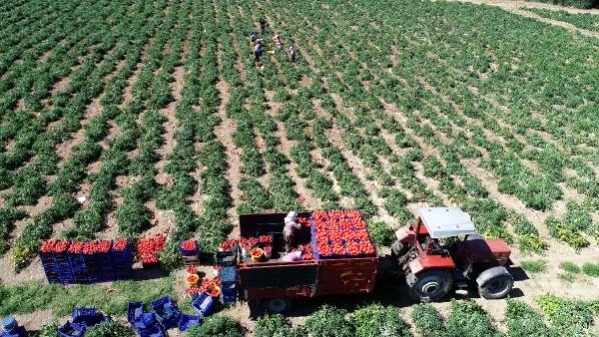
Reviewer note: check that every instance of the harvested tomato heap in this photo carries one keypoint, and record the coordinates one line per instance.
(120, 245)
(228, 245)
(341, 233)
(148, 248)
(55, 246)
(189, 245)
(306, 252)
(93, 247)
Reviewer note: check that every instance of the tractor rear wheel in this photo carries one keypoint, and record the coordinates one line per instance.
(277, 305)
(430, 285)
(496, 288)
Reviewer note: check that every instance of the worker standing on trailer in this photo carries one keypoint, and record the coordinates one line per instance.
(289, 231)
(278, 40)
(291, 52)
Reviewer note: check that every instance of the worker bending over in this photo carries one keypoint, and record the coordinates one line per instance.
(253, 39)
(278, 40)
(290, 229)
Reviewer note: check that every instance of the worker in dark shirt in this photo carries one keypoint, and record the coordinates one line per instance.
(262, 25)
(258, 51)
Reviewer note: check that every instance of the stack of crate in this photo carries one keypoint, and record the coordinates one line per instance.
(226, 262)
(85, 262)
(121, 260)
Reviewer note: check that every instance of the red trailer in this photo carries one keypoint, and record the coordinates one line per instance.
(272, 283)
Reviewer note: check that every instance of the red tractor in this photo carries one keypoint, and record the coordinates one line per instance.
(443, 251)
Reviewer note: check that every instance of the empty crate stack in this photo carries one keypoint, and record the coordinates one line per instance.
(81, 262)
(228, 276)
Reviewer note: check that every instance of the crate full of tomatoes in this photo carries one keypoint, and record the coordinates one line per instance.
(149, 247)
(340, 234)
(84, 261)
(189, 248)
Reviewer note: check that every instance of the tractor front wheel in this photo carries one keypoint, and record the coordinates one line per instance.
(430, 285)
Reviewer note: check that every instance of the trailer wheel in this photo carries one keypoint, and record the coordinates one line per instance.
(497, 287)
(431, 285)
(277, 305)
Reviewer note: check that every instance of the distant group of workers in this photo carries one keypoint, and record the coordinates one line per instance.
(258, 44)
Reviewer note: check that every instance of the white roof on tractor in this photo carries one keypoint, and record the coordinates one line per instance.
(444, 222)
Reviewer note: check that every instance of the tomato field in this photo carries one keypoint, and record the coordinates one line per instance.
(137, 118)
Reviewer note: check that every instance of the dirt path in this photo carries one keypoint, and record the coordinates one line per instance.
(514, 7)
(514, 4)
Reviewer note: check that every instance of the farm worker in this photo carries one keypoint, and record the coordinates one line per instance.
(262, 25)
(278, 41)
(291, 226)
(258, 51)
(253, 38)
(291, 52)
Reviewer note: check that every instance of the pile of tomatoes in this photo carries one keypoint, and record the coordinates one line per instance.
(228, 245)
(306, 252)
(341, 233)
(76, 247)
(148, 248)
(189, 245)
(93, 247)
(55, 246)
(120, 245)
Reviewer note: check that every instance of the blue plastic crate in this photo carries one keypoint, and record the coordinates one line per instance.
(87, 317)
(228, 288)
(154, 331)
(228, 274)
(192, 252)
(17, 332)
(145, 321)
(229, 299)
(70, 329)
(134, 309)
(225, 259)
(166, 312)
(203, 304)
(186, 321)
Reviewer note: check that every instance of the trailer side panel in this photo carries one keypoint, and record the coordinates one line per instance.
(346, 276)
